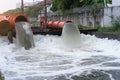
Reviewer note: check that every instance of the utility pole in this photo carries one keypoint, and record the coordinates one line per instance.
(45, 13)
(33, 2)
(22, 7)
(105, 4)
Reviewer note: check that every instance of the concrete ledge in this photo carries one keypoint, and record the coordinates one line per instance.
(108, 35)
(1, 76)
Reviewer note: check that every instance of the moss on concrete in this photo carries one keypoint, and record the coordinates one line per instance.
(1, 77)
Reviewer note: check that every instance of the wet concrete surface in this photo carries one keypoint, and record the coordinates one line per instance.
(108, 35)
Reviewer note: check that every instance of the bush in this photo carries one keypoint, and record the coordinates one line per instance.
(109, 29)
(84, 27)
(116, 22)
(114, 28)
(1, 77)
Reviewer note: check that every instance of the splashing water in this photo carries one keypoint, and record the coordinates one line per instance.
(24, 35)
(96, 59)
(71, 35)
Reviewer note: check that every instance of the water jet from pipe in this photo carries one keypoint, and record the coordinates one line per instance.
(24, 35)
(71, 35)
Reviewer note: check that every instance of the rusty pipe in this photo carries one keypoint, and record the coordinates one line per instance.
(4, 25)
(17, 18)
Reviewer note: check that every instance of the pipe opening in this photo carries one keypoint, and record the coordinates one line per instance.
(68, 21)
(21, 18)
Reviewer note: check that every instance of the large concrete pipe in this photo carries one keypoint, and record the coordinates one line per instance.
(56, 24)
(49, 24)
(52, 24)
(4, 25)
(17, 18)
(13, 19)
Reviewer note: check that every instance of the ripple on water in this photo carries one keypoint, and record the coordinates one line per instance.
(96, 60)
(54, 63)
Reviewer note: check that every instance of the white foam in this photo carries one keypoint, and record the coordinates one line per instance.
(49, 58)
(71, 36)
(24, 35)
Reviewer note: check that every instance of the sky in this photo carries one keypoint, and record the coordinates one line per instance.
(10, 4)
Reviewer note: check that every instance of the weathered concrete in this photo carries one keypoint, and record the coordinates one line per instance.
(1, 76)
(108, 35)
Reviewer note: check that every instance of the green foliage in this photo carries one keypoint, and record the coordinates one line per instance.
(1, 77)
(105, 29)
(116, 22)
(35, 22)
(13, 11)
(108, 29)
(61, 5)
(54, 7)
(109, 1)
(30, 11)
(115, 26)
(84, 27)
(33, 11)
(68, 4)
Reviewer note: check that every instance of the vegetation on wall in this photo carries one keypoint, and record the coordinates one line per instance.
(114, 28)
(116, 22)
(1, 77)
(13, 11)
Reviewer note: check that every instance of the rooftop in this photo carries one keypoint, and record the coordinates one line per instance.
(42, 3)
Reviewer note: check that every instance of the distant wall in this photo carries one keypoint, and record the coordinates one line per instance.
(81, 16)
(87, 17)
(110, 13)
(115, 2)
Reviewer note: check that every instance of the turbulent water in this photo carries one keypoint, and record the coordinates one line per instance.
(71, 35)
(24, 35)
(96, 59)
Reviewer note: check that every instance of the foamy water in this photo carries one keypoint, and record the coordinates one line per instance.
(50, 60)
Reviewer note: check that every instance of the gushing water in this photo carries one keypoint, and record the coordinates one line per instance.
(24, 35)
(71, 35)
(96, 59)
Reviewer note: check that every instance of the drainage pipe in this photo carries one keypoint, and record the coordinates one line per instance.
(17, 18)
(4, 25)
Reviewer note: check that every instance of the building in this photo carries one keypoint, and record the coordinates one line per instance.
(99, 17)
(111, 12)
(26, 4)
(114, 3)
(42, 4)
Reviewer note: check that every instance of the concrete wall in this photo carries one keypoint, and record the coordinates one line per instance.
(114, 3)
(86, 17)
(110, 14)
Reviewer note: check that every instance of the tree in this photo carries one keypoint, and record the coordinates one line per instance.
(33, 11)
(30, 11)
(61, 5)
(13, 11)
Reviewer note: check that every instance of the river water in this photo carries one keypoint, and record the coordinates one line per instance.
(96, 59)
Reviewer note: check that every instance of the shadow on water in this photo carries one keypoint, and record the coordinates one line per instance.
(93, 75)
